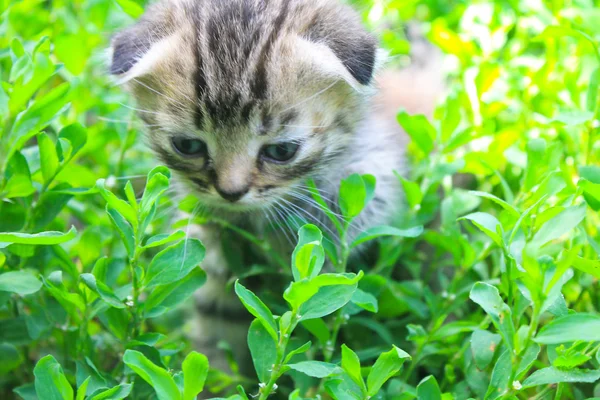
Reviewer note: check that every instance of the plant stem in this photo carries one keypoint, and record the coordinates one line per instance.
(133, 263)
(284, 337)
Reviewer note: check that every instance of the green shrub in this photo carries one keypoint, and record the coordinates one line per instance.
(488, 289)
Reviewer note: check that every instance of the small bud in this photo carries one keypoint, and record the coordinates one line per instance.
(111, 182)
(517, 385)
(262, 385)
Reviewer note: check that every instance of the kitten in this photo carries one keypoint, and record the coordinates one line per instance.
(247, 99)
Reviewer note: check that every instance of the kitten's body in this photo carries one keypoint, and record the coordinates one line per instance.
(242, 75)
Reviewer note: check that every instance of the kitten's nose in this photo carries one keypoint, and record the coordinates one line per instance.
(232, 196)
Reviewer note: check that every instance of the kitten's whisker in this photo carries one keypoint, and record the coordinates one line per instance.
(283, 219)
(321, 224)
(318, 189)
(310, 192)
(142, 111)
(314, 203)
(290, 213)
(164, 95)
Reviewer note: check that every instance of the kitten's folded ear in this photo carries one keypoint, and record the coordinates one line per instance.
(138, 49)
(341, 47)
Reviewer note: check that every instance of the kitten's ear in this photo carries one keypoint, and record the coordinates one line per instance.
(358, 71)
(138, 49)
(342, 45)
(133, 57)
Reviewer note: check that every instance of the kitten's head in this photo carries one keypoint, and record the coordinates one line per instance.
(245, 99)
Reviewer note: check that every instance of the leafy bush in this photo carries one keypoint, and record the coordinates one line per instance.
(495, 298)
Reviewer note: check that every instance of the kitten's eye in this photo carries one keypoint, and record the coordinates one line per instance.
(281, 152)
(190, 147)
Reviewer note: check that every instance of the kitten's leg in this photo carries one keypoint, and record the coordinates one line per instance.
(221, 316)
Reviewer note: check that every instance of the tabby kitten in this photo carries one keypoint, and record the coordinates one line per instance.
(245, 100)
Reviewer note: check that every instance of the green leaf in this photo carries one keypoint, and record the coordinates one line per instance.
(591, 267)
(38, 116)
(560, 225)
(121, 206)
(322, 295)
(302, 349)
(167, 297)
(500, 376)
(175, 262)
(387, 231)
(257, 308)
(43, 238)
(527, 360)
(318, 328)
(352, 196)
(50, 381)
(263, 349)
(124, 228)
(570, 361)
(309, 256)
(428, 389)
(18, 178)
(571, 328)
(316, 369)
(498, 201)
(387, 366)
(102, 290)
(412, 191)
(76, 135)
(483, 346)
(342, 387)
(551, 376)
(590, 173)
(130, 7)
(115, 393)
(489, 299)
(10, 358)
(48, 157)
(165, 238)
(195, 371)
(488, 224)
(419, 129)
(81, 390)
(158, 378)
(351, 364)
(157, 184)
(365, 300)
(20, 282)
(591, 193)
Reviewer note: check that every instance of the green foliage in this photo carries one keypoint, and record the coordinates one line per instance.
(487, 281)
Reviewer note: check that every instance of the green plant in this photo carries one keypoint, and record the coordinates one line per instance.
(495, 298)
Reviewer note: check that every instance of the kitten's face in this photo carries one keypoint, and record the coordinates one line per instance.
(245, 113)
